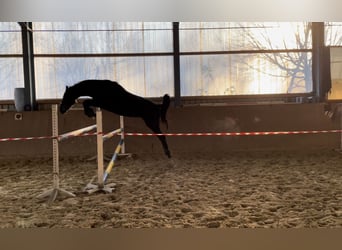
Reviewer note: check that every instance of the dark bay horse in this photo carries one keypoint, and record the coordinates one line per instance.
(112, 97)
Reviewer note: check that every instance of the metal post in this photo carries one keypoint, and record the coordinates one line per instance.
(176, 64)
(317, 53)
(28, 61)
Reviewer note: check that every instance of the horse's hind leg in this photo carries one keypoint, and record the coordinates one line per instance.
(154, 126)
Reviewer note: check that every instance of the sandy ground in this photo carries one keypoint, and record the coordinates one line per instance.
(236, 190)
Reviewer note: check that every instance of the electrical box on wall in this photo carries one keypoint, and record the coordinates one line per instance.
(18, 116)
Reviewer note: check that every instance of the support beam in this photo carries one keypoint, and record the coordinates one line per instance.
(176, 63)
(28, 61)
(320, 63)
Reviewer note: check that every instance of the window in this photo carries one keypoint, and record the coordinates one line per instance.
(244, 74)
(245, 58)
(145, 76)
(216, 58)
(11, 63)
(333, 34)
(138, 55)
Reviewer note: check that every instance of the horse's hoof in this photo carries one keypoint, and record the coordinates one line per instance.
(171, 163)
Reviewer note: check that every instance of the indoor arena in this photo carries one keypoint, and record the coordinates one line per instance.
(170, 125)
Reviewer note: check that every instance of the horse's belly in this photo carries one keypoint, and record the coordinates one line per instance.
(124, 110)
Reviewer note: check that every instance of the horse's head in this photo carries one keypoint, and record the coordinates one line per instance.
(67, 101)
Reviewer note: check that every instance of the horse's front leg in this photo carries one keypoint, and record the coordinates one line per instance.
(153, 124)
(87, 108)
(165, 146)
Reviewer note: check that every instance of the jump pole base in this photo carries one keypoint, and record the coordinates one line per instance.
(93, 158)
(128, 155)
(93, 188)
(53, 193)
(107, 158)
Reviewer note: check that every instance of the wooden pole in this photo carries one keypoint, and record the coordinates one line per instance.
(99, 149)
(53, 193)
(100, 186)
(55, 148)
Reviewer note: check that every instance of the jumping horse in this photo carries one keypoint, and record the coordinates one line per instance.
(112, 97)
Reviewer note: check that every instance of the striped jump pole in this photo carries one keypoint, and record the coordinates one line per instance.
(122, 125)
(112, 161)
(111, 134)
(75, 133)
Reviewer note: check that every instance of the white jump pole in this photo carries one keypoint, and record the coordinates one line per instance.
(100, 186)
(99, 139)
(53, 193)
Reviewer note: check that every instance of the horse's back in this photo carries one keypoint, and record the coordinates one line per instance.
(101, 85)
(111, 96)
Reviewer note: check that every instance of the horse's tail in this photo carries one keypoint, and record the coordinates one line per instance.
(163, 109)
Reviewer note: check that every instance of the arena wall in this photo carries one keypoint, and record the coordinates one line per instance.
(219, 118)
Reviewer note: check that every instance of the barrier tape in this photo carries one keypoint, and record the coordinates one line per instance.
(238, 133)
(43, 137)
(185, 134)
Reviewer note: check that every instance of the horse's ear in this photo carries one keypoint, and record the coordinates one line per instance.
(66, 87)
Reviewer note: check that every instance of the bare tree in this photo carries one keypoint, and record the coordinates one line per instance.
(294, 64)
(333, 35)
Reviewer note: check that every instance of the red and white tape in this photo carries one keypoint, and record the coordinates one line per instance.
(187, 134)
(238, 133)
(42, 137)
